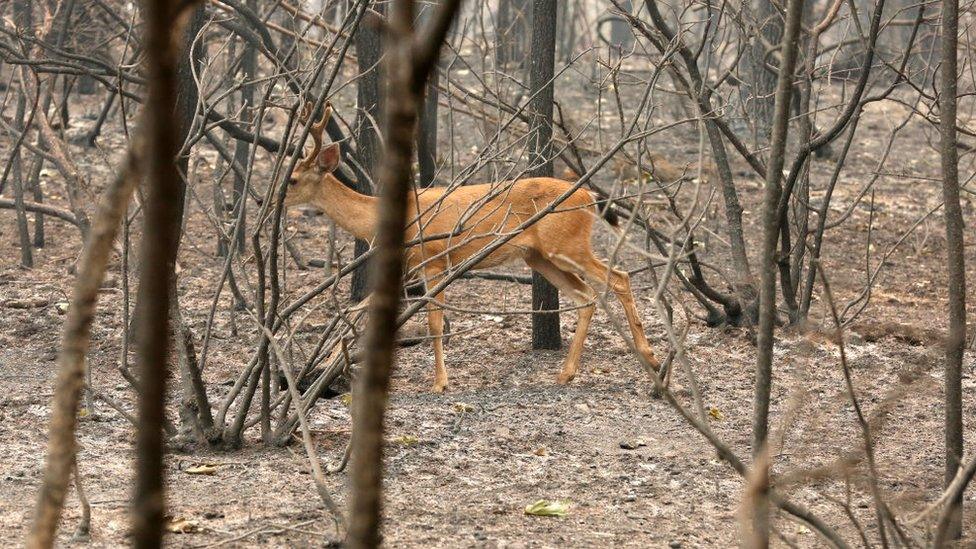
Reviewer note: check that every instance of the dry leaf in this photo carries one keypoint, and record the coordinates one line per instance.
(406, 440)
(202, 469)
(346, 399)
(461, 407)
(715, 413)
(541, 451)
(546, 508)
(180, 525)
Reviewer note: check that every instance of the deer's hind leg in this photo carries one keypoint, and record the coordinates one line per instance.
(572, 286)
(599, 274)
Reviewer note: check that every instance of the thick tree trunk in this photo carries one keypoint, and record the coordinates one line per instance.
(545, 296)
(760, 81)
(410, 64)
(369, 51)
(162, 224)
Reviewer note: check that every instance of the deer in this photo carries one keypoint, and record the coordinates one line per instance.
(557, 246)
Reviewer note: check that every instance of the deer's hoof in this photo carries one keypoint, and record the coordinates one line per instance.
(438, 387)
(564, 378)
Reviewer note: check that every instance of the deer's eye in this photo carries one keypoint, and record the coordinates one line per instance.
(292, 182)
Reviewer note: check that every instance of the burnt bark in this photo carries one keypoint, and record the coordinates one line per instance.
(512, 22)
(369, 52)
(759, 79)
(163, 215)
(411, 60)
(545, 296)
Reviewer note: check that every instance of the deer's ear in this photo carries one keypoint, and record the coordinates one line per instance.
(328, 159)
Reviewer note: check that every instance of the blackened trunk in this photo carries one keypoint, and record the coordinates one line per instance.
(545, 296)
(368, 93)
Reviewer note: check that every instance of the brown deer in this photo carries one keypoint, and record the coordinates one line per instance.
(557, 245)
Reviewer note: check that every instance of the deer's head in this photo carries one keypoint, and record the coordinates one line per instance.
(312, 173)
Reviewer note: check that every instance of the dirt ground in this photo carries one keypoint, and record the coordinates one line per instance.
(462, 466)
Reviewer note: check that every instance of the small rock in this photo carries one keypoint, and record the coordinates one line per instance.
(632, 444)
(674, 544)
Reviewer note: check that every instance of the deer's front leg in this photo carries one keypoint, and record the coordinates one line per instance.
(435, 323)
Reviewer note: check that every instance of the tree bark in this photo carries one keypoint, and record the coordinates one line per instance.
(242, 149)
(760, 80)
(23, 18)
(621, 34)
(163, 215)
(62, 446)
(511, 31)
(767, 295)
(955, 258)
(408, 67)
(369, 52)
(545, 296)
(774, 174)
(427, 128)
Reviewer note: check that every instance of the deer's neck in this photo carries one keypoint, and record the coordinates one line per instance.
(351, 210)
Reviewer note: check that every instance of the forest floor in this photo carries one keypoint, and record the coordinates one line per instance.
(462, 466)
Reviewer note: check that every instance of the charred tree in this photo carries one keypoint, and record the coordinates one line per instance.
(512, 32)
(621, 34)
(411, 60)
(368, 99)
(545, 296)
(162, 225)
(427, 127)
(759, 77)
(242, 149)
(24, 21)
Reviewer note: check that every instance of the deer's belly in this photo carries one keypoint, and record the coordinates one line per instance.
(507, 253)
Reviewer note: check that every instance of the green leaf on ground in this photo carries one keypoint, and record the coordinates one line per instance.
(546, 508)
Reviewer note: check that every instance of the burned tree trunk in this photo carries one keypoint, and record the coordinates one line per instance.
(411, 62)
(545, 296)
(621, 34)
(162, 224)
(511, 32)
(242, 148)
(427, 127)
(369, 51)
(759, 78)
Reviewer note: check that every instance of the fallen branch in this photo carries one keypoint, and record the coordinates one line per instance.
(45, 209)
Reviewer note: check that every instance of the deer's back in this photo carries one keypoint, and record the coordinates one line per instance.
(475, 214)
